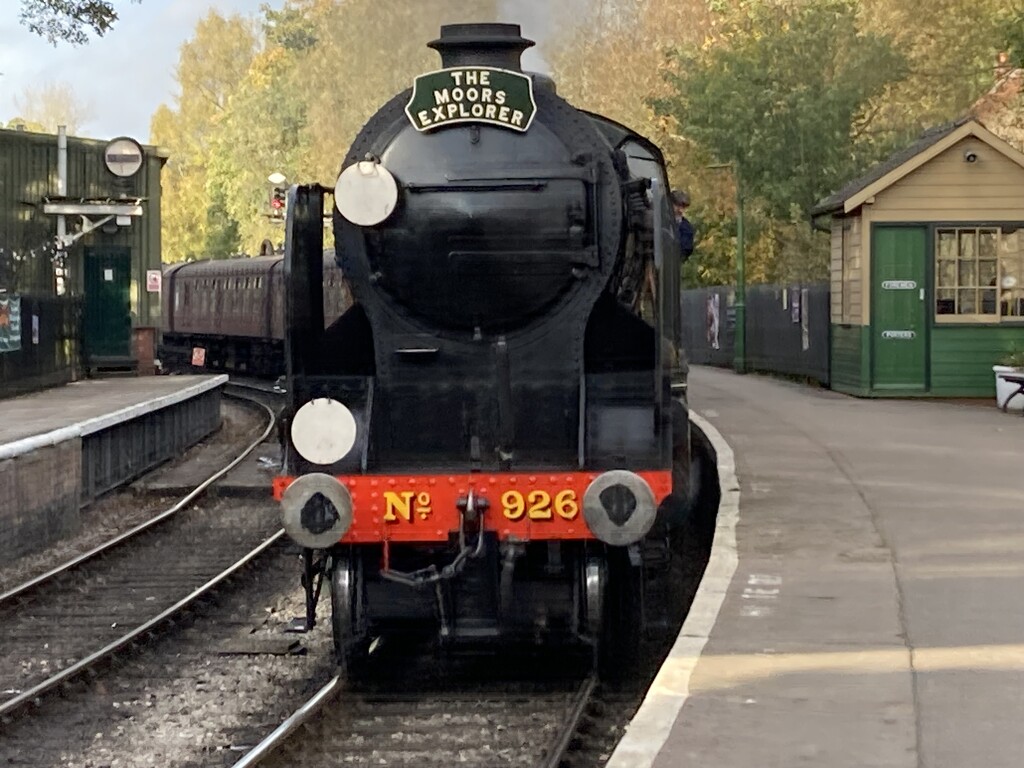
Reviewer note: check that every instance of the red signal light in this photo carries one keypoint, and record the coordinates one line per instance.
(277, 200)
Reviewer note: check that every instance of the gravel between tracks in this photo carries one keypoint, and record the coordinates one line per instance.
(124, 509)
(182, 702)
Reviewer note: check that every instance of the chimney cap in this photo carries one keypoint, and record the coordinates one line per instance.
(477, 35)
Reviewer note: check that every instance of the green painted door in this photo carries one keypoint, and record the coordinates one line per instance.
(108, 320)
(899, 327)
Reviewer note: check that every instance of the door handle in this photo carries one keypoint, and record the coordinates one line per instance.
(921, 294)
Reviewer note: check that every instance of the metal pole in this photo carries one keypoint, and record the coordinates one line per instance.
(62, 180)
(740, 347)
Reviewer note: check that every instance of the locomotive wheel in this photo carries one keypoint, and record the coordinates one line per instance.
(593, 577)
(622, 625)
(351, 644)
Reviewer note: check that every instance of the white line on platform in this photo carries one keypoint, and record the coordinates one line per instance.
(649, 730)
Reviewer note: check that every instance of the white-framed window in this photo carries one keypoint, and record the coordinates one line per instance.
(979, 274)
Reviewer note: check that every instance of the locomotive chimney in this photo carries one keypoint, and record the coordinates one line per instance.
(482, 45)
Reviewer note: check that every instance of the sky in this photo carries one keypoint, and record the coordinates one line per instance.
(123, 76)
(126, 74)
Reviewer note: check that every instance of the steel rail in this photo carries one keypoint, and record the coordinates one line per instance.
(297, 719)
(67, 673)
(129, 534)
(579, 706)
(330, 691)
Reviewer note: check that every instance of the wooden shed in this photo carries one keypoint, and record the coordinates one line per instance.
(81, 218)
(927, 267)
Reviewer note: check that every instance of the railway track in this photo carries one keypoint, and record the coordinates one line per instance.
(481, 725)
(71, 618)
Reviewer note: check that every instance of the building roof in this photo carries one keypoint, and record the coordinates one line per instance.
(928, 146)
(927, 139)
(1001, 109)
(50, 139)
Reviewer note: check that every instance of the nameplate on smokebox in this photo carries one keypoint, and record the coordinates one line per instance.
(461, 95)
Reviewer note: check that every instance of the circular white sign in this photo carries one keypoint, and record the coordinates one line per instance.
(366, 193)
(323, 431)
(123, 157)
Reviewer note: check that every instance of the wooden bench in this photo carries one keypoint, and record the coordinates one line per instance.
(1013, 378)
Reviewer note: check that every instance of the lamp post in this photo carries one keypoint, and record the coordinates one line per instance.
(739, 362)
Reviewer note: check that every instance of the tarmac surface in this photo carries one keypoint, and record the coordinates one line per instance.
(94, 404)
(871, 611)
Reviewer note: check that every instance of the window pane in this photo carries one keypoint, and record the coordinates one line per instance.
(945, 301)
(988, 240)
(967, 244)
(946, 275)
(988, 301)
(968, 273)
(966, 301)
(1011, 274)
(947, 244)
(987, 273)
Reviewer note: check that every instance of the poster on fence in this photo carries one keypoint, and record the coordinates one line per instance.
(713, 318)
(805, 324)
(10, 322)
(794, 304)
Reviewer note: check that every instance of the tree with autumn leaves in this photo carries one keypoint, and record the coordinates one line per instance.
(798, 95)
(286, 97)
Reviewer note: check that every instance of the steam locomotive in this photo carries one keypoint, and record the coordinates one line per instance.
(492, 443)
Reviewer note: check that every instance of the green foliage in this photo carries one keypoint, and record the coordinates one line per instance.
(197, 215)
(802, 94)
(785, 98)
(1011, 24)
(69, 21)
(287, 98)
(1014, 358)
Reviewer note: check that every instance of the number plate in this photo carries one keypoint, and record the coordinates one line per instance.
(426, 507)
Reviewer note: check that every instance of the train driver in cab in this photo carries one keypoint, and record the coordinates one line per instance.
(680, 202)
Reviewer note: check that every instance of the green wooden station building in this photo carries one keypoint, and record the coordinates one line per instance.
(79, 225)
(927, 267)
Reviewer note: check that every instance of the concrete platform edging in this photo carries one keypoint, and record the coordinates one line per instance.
(649, 730)
(91, 426)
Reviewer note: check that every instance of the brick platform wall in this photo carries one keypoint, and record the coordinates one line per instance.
(39, 498)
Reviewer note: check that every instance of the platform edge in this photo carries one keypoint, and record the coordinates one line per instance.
(91, 426)
(648, 731)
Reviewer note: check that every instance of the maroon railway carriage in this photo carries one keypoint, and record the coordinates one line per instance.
(228, 314)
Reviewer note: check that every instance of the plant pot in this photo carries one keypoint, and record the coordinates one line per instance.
(1004, 389)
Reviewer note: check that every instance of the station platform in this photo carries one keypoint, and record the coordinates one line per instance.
(62, 447)
(864, 602)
